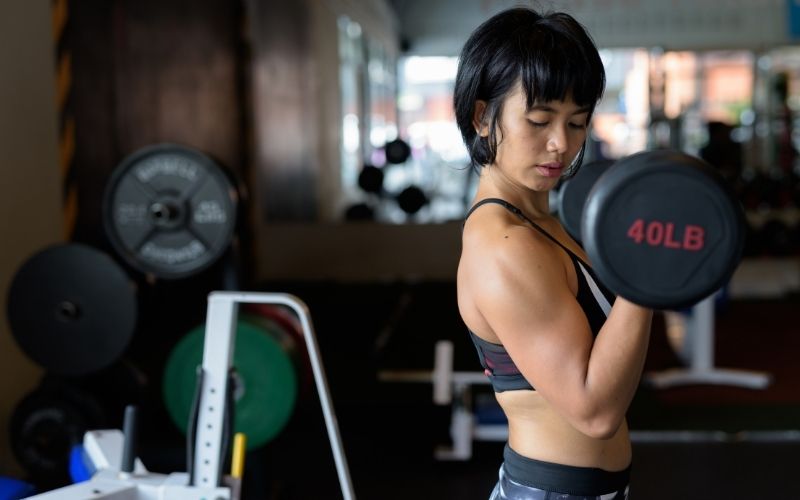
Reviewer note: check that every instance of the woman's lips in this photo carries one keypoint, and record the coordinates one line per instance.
(550, 169)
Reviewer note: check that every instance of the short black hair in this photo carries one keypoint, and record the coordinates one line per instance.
(549, 54)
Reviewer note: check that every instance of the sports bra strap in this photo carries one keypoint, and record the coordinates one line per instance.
(516, 211)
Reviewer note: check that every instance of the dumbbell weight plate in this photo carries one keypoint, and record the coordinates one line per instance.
(662, 230)
(397, 151)
(572, 195)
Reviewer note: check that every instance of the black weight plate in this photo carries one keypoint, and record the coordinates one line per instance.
(43, 427)
(72, 309)
(114, 388)
(573, 192)
(662, 230)
(170, 210)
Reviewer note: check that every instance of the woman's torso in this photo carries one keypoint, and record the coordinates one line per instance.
(536, 430)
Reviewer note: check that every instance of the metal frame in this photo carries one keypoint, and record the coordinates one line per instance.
(105, 448)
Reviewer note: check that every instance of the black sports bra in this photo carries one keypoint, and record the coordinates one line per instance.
(593, 297)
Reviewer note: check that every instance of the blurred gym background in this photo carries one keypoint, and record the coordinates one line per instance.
(332, 123)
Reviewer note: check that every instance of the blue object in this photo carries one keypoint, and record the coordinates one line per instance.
(79, 469)
(14, 489)
(793, 18)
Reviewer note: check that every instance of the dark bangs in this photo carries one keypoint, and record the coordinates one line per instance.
(551, 55)
(557, 61)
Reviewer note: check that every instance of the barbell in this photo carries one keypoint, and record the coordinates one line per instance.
(661, 228)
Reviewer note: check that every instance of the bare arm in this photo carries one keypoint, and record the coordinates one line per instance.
(521, 289)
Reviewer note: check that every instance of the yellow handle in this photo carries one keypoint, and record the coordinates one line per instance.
(237, 461)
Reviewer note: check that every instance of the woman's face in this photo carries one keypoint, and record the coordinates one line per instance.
(535, 146)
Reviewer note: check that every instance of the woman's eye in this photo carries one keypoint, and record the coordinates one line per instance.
(579, 126)
(537, 124)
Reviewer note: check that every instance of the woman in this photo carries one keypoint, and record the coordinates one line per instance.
(563, 355)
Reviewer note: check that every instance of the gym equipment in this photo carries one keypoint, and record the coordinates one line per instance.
(120, 475)
(397, 151)
(359, 212)
(454, 389)
(170, 211)
(79, 468)
(571, 195)
(289, 332)
(661, 229)
(370, 179)
(53, 418)
(699, 333)
(411, 199)
(45, 424)
(281, 316)
(265, 378)
(72, 309)
(14, 489)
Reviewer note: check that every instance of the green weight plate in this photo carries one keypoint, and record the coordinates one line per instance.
(267, 380)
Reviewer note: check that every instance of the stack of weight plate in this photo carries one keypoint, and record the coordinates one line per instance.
(73, 310)
(169, 212)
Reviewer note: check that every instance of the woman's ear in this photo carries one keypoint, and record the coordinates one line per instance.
(479, 119)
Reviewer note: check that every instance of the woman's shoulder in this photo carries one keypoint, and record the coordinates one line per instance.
(497, 243)
(495, 232)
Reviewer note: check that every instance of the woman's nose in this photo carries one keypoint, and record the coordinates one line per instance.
(557, 142)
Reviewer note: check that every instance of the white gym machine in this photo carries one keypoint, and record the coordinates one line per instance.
(698, 331)
(453, 388)
(121, 476)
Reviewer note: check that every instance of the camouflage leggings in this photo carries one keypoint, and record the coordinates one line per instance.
(518, 473)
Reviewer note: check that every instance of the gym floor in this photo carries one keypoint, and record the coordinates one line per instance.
(736, 448)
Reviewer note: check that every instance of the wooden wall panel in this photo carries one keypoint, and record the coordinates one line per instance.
(284, 111)
(147, 71)
(175, 76)
(89, 37)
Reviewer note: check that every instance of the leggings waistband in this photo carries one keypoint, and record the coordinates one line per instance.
(560, 478)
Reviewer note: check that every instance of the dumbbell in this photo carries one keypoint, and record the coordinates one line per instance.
(572, 193)
(661, 228)
(410, 199)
